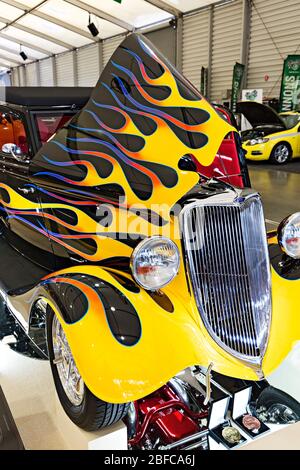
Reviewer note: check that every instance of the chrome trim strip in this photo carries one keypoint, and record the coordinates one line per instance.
(18, 316)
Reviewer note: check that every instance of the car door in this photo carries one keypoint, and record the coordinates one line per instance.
(21, 217)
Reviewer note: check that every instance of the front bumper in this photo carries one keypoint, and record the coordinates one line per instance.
(258, 152)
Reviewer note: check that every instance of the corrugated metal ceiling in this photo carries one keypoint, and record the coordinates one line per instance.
(44, 28)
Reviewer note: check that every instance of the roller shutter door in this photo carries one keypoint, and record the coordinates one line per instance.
(65, 69)
(195, 45)
(46, 72)
(88, 65)
(282, 19)
(226, 47)
(31, 75)
(109, 47)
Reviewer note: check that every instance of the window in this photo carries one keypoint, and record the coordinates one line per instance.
(12, 131)
(48, 124)
(290, 120)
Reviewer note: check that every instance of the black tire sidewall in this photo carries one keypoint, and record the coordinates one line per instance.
(272, 396)
(272, 156)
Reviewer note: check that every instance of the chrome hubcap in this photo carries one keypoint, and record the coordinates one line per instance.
(281, 153)
(69, 376)
(282, 414)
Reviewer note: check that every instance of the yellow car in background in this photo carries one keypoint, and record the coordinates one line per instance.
(274, 137)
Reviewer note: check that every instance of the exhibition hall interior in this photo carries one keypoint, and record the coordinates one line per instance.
(150, 225)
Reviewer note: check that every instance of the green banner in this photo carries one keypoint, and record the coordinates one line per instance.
(290, 84)
(237, 78)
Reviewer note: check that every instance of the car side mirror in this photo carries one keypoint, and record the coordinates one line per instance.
(11, 148)
(15, 151)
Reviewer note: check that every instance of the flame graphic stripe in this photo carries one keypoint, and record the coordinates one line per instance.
(167, 117)
(91, 180)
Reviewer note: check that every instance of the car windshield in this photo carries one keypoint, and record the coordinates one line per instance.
(48, 124)
(290, 120)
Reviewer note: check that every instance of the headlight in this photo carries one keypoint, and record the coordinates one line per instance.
(259, 140)
(155, 262)
(289, 235)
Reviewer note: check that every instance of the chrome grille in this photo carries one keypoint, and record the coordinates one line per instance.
(227, 257)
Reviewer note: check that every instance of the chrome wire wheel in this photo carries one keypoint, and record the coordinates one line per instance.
(281, 153)
(68, 373)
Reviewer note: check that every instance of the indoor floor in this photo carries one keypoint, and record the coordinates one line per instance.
(279, 187)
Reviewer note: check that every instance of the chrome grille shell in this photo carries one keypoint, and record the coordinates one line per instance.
(225, 244)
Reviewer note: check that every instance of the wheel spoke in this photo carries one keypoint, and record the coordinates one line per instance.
(67, 370)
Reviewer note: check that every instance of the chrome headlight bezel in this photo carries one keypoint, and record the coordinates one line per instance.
(146, 244)
(284, 233)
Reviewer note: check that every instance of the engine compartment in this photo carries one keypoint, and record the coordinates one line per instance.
(173, 417)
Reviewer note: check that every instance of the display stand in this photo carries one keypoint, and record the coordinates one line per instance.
(239, 412)
(218, 421)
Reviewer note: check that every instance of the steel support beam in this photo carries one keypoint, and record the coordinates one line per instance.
(38, 73)
(52, 19)
(101, 14)
(179, 38)
(75, 67)
(54, 70)
(64, 25)
(210, 44)
(35, 33)
(13, 61)
(245, 38)
(166, 7)
(12, 51)
(25, 44)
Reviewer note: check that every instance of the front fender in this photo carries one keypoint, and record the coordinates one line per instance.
(126, 342)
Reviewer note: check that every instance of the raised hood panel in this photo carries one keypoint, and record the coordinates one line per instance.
(259, 114)
(143, 116)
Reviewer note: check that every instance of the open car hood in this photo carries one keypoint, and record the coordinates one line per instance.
(259, 114)
(142, 117)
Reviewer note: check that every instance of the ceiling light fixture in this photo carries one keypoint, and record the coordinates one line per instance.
(23, 54)
(92, 27)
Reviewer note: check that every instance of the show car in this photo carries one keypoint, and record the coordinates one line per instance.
(125, 266)
(274, 137)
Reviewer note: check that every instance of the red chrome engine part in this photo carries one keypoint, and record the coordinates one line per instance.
(162, 415)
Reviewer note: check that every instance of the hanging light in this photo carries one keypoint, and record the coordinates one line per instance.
(23, 54)
(92, 27)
